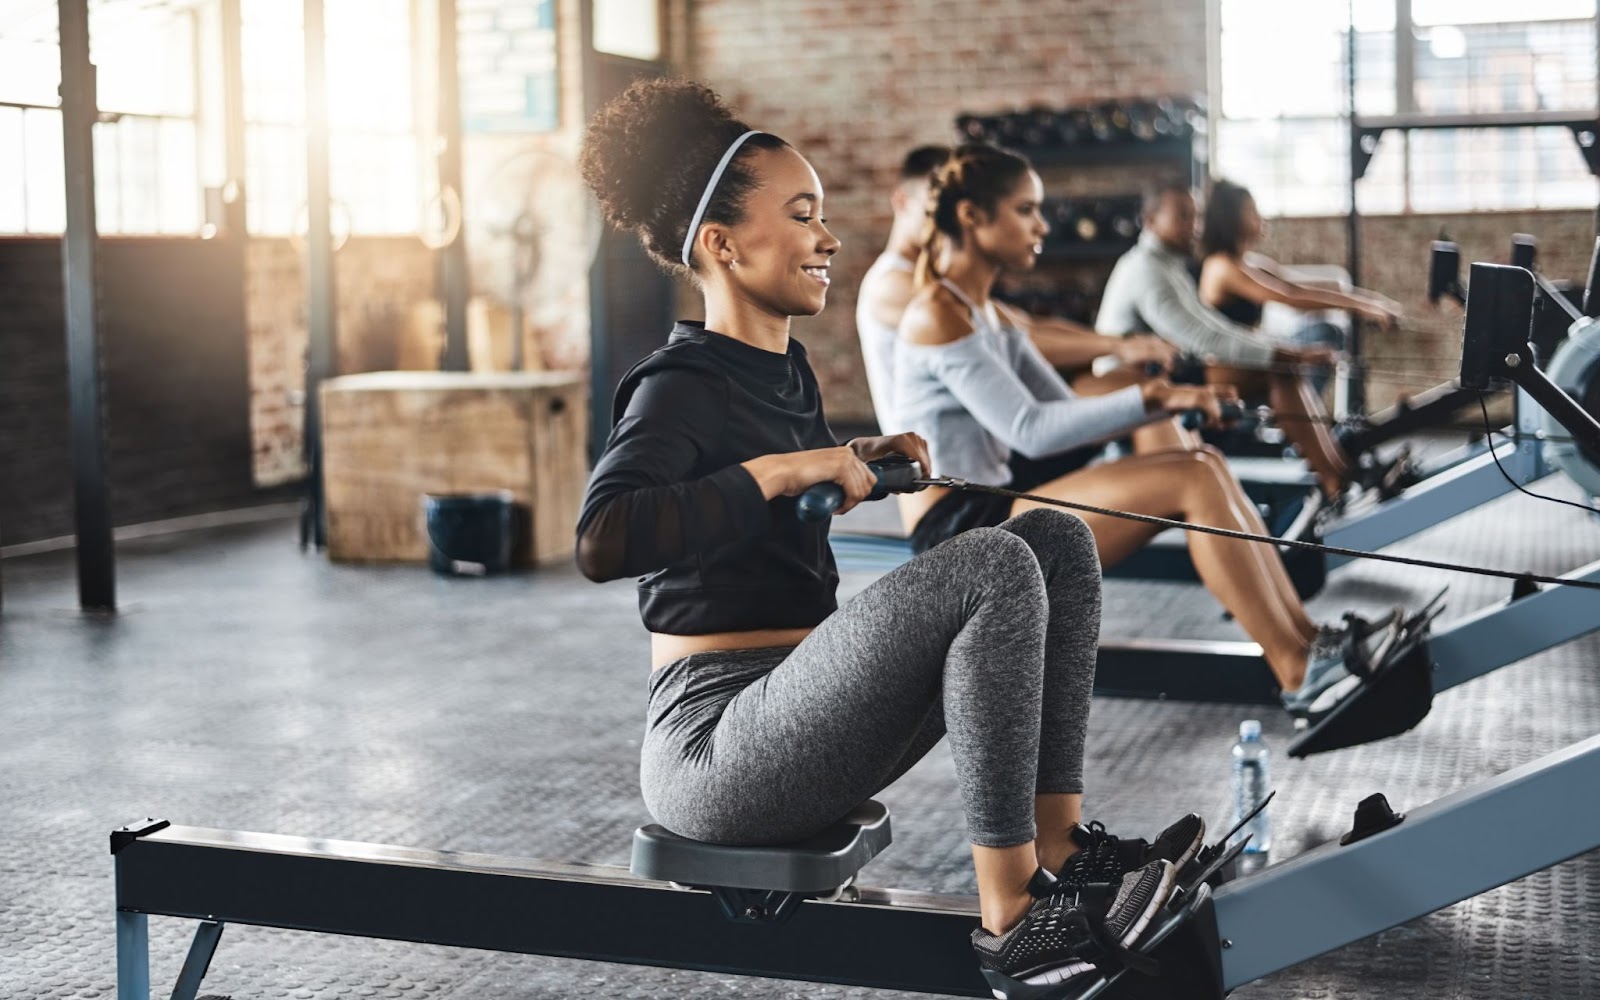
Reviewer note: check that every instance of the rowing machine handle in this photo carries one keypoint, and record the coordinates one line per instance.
(895, 474)
(1193, 420)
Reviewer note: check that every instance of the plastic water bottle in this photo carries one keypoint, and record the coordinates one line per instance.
(1252, 780)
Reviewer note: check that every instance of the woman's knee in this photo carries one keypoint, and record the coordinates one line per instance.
(1205, 470)
(1055, 533)
(988, 560)
(1215, 462)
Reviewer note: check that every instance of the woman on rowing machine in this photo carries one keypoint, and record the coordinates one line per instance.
(1240, 286)
(773, 711)
(972, 384)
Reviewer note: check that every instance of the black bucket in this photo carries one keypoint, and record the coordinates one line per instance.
(469, 534)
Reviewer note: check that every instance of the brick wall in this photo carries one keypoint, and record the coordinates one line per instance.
(855, 85)
(35, 473)
(384, 318)
(1427, 349)
(174, 375)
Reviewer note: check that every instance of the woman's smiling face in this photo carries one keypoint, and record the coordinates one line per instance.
(781, 248)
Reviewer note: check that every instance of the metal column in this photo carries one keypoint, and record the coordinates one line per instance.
(1352, 388)
(97, 588)
(233, 190)
(453, 282)
(319, 260)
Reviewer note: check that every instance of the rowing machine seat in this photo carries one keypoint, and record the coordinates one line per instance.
(818, 865)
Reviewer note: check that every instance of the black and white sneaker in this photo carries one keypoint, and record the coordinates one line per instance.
(1104, 857)
(1067, 937)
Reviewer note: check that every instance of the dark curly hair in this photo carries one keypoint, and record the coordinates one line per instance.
(648, 154)
(976, 172)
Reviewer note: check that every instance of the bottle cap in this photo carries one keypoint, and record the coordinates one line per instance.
(1250, 729)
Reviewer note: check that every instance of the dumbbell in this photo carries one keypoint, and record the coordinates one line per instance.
(895, 474)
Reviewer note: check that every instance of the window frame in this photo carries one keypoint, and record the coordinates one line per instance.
(110, 118)
(1403, 122)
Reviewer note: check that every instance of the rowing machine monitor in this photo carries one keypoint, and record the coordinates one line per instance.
(1499, 322)
(1495, 347)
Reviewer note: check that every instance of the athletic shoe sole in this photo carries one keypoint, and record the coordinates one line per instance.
(1190, 824)
(1046, 984)
(1158, 898)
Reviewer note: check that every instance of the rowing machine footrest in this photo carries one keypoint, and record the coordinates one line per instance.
(1389, 703)
(1185, 946)
(1190, 960)
(816, 866)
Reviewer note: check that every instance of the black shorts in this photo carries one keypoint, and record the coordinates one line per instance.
(959, 511)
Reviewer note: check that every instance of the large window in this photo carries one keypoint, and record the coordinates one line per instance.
(159, 142)
(1284, 97)
(377, 162)
(147, 155)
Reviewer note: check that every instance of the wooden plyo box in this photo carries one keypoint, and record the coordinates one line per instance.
(390, 437)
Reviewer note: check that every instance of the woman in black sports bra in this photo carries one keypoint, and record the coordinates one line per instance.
(1240, 289)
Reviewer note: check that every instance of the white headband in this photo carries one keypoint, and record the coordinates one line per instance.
(711, 188)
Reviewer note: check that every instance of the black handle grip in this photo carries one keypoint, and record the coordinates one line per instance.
(894, 475)
(1187, 370)
(1193, 420)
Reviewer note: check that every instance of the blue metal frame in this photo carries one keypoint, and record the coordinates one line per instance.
(1464, 486)
(1466, 843)
(1319, 901)
(1514, 630)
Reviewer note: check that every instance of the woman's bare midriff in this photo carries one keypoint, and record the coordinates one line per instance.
(664, 649)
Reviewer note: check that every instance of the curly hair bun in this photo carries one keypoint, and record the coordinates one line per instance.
(648, 153)
(636, 148)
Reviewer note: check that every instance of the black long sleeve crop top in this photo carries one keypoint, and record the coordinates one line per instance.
(669, 502)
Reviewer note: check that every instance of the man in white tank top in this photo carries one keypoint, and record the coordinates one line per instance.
(888, 285)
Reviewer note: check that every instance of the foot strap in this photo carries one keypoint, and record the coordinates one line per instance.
(1108, 954)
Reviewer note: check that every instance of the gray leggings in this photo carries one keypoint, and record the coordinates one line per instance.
(989, 637)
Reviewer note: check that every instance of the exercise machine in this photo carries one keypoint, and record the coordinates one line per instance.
(1477, 473)
(1411, 662)
(794, 911)
(1496, 349)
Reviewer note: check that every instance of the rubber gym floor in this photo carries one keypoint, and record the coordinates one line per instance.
(249, 686)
